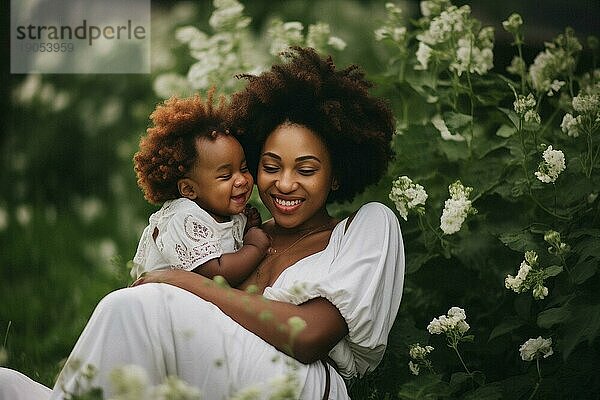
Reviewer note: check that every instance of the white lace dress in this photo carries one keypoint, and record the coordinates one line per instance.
(169, 331)
(186, 236)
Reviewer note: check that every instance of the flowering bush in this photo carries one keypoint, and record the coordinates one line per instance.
(526, 143)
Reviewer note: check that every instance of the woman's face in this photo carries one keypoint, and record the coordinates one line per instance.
(295, 176)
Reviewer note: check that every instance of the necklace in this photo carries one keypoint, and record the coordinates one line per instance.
(272, 251)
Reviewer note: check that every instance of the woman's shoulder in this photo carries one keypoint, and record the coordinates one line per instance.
(372, 212)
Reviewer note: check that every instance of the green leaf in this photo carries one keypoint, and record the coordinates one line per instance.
(585, 325)
(584, 270)
(416, 260)
(468, 338)
(492, 391)
(458, 378)
(553, 270)
(548, 318)
(426, 386)
(512, 116)
(508, 325)
(455, 121)
(519, 241)
(506, 131)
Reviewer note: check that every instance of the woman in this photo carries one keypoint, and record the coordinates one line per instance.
(330, 290)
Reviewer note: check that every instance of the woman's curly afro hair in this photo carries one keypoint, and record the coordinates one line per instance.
(168, 151)
(335, 104)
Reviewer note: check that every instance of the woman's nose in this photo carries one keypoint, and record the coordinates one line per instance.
(286, 183)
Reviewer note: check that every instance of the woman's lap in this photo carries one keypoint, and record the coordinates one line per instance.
(169, 331)
(16, 386)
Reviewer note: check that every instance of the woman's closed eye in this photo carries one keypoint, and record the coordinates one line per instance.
(307, 171)
(224, 177)
(269, 169)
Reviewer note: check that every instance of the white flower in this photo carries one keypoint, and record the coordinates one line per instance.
(539, 292)
(414, 368)
(552, 165)
(129, 382)
(440, 125)
(408, 196)
(517, 66)
(523, 104)
(515, 283)
(423, 56)
(570, 125)
(532, 116)
(455, 321)
(586, 104)
(175, 389)
(418, 352)
(228, 14)
(533, 348)
(456, 208)
(336, 43)
(513, 23)
(187, 34)
(3, 219)
(283, 35)
(170, 84)
(555, 87)
(23, 214)
(318, 35)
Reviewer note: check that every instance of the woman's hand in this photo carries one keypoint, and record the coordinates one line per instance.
(175, 277)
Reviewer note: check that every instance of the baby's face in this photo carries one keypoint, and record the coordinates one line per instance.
(222, 182)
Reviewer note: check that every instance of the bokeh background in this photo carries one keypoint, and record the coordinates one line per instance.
(70, 210)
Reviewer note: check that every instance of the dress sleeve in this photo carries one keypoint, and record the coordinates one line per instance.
(188, 240)
(364, 281)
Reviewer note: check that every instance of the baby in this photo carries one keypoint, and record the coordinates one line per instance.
(189, 163)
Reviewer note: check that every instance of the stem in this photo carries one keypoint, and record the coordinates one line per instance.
(537, 385)
(524, 163)
(455, 347)
(6, 334)
(520, 50)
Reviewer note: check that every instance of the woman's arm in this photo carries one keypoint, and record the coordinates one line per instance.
(272, 320)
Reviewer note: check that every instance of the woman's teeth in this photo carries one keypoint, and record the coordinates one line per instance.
(287, 203)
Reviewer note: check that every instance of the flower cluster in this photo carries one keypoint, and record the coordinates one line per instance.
(552, 165)
(556, 61)
(532, 275)
(534, 348)
(393, 29)
(285, 34)
(454, 323)
(525, 108)
(419, 354)
(557, 246)
(586, 107)
(408, 196)
(451, 35)
(229, 51)
(456, 208)
(523, 281)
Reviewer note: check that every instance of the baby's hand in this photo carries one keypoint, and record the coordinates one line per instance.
(258, 238)
(253, 216)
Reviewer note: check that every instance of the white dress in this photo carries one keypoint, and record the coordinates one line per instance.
(169, 331)
(188, 236)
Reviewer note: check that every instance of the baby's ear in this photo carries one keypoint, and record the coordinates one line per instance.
(187, 188)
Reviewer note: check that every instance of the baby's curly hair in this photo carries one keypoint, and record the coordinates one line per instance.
(168, 150)
(335, 104)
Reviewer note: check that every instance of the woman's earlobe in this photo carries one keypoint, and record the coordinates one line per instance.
(186, 189)
(335, 185)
